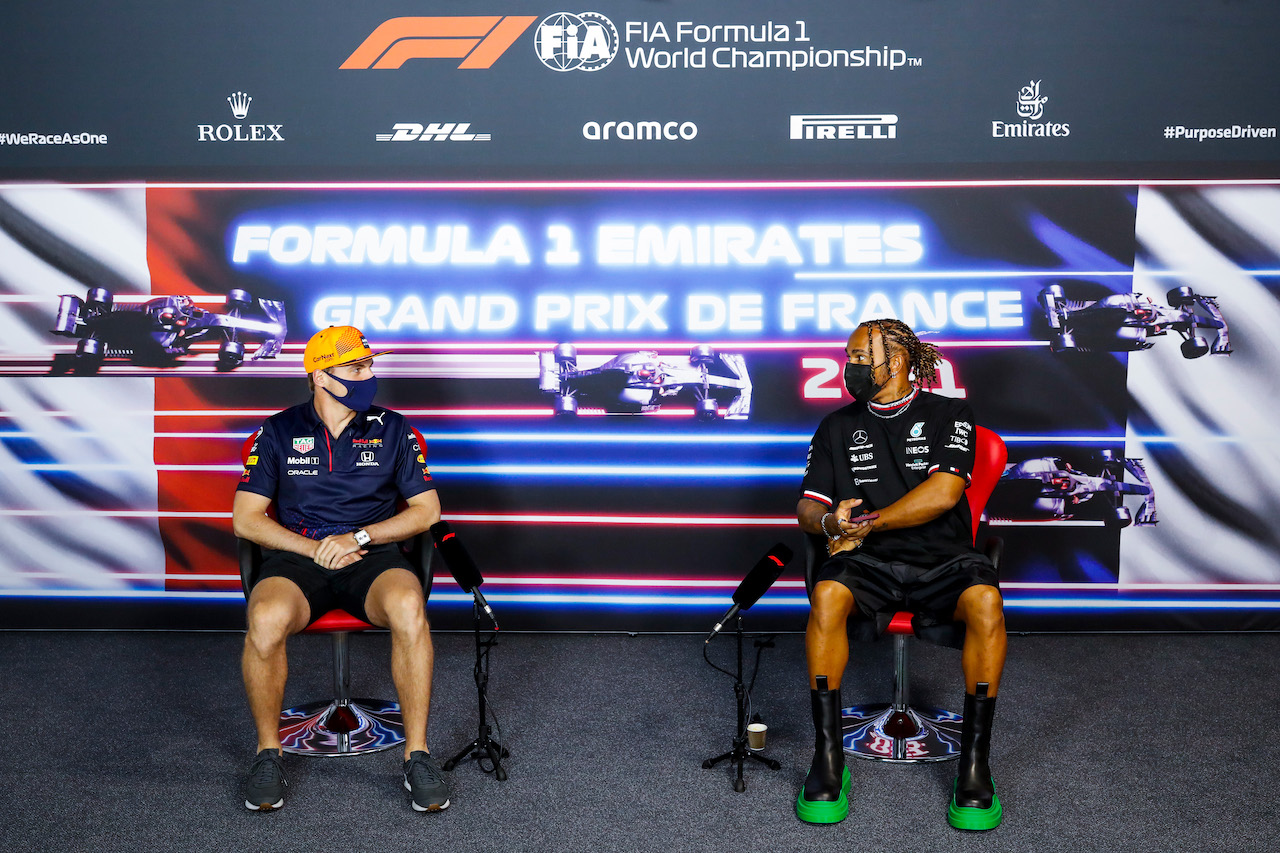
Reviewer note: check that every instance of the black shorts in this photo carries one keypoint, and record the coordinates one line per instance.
(881, 588)
(326, 589)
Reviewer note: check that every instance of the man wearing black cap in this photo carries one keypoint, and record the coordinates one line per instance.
(335, 468)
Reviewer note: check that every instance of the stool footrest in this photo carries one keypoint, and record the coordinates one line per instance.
(880, 733)
(341, 727)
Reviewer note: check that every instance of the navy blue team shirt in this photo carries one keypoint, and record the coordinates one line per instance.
(323, 485)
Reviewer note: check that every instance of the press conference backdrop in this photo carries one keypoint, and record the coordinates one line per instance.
(617, 253)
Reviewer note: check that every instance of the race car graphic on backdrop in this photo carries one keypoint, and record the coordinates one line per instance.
(1051, 486)
(640, 382)
(156, 332)
(1122, 322)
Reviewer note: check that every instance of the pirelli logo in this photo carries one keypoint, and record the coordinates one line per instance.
(478, 41)
(844, 127)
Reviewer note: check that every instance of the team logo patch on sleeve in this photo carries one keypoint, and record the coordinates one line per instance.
(303, 444)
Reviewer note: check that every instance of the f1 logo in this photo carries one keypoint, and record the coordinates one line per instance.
(477, 41)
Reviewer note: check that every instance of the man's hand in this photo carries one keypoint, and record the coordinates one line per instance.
(343, 562)
(849, 531)
(332, 552)
(835, 546)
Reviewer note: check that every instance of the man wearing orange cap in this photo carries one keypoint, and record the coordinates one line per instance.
(335, 467)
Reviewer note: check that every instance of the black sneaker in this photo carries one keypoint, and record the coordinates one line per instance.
(264, 789)
(423, 779)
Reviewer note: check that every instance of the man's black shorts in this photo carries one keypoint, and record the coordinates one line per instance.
(881, 588)
(326, 589)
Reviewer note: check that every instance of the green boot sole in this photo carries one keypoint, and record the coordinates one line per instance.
(825, 811)
(975, 819)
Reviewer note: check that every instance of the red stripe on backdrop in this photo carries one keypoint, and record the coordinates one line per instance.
(195, 546)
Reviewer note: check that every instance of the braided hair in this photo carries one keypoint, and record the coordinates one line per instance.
(924, 357)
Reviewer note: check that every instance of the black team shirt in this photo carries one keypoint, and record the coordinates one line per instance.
(881, 454)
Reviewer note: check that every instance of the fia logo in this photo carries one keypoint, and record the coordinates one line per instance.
(918, 429)
(587, 41)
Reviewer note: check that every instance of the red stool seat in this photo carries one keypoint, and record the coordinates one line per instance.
(337, 620)
(900, 624)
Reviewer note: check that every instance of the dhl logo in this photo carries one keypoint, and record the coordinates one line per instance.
(478, 41)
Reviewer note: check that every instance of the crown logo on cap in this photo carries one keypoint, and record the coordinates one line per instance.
(239, 102)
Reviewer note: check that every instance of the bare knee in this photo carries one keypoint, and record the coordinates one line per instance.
(270, 624)
(832, 603)
(981, 608)
(405, 612)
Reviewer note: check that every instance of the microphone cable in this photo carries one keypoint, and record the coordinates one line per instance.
(755, 669)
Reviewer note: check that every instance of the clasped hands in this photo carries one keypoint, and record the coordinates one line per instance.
(337, 551)
(850, 534)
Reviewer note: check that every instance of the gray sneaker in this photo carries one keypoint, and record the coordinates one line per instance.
(423, 779)
(264, 789)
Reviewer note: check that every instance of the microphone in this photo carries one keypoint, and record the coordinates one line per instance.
(460, 565)
(755, 584)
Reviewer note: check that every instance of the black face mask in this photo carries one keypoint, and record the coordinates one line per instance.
(859, 382)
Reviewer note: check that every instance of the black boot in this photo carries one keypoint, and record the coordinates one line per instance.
(825, 795)
(974, 805)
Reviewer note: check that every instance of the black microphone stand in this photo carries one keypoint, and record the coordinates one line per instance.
(740, 752)
(484, 746)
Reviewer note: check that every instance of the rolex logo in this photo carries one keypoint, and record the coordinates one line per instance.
(239, 102)
(238, 132)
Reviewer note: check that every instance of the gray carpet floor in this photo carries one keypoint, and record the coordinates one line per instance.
(137, 742)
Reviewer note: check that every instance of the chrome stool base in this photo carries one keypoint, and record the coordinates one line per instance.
(341, 727)
(906, 736)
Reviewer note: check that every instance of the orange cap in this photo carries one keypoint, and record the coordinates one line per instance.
(334, 346)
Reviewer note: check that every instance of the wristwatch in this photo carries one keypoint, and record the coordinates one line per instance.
(362, 537)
